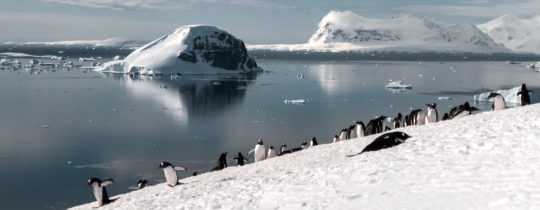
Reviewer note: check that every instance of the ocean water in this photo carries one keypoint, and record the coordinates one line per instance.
(59, 127)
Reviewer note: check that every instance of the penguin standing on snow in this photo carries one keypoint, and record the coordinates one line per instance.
(259, 151)
(221, 163)
(343, 134)
(432, 113)
(498, 101)
(335, 139)
(169, 170)
(524, 93)
(283, 150)
(99, 190)
(360, 129)
(313, 142)
(350, 132)
(420, 118)
(240, 159)
(141, 183)
(271, 152)
(396, 122)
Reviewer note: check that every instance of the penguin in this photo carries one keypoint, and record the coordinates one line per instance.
(141, 183)
(169, 170)
(420, 118)
(283, 150)
(99, 190)
(386, 128)
(313, 142)
(524, 95)
(195, 173)
(304, 145)
(336, 139)
(259, 151)
(498, 101)
(360, 129)
(271, 152)
(240, 159)
(396, 122)
(350, 132)
(221, 163)
(445, 117)
(462, 110)
(406, 121)
(384, 141)
(375, 125)
(343, 134)
(432, 113)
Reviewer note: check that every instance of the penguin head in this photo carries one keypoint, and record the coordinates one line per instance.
(403, 135)
(93, 180)
(260, 142)
(399, 116)
(432, 106)
(523, 86)
(314, 139)
(283, 147)
(271, 147)
(141, 183)
(164, 164)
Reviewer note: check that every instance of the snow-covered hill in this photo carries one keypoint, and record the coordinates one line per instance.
(518, 34)
(485, 161)
(196, 49)
(110, 42)
(347, 31)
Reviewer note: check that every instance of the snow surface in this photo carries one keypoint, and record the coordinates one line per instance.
(518, 34)
(347, 31)
(509, 95)
(484, 161)
(191, 49)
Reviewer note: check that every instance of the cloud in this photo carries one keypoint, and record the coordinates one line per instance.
(478, 8)
(162, 4)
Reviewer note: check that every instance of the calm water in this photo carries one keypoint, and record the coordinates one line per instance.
(59, 128)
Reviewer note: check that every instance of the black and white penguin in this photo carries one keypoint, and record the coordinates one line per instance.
(141, 183)
(524, 95)
(271, 152)
(240, 159)
(313, 142)
(360, 129)
(259, 151)
(350, 132)
(386, 128)
(396, 122)
(221, 163)
(99, 190)
(445, 117)
(406, 121)
(384, 141)
(462, 110)
(169, 171)
(343, 134)
(283, 150)
(335, 139)
(432, 113)
(375, 125)
(498, 101)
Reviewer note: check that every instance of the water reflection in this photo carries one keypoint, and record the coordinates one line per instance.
(188, 95)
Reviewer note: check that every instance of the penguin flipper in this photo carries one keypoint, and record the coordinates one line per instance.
(107, 182)
(354, 155)
(180, 168)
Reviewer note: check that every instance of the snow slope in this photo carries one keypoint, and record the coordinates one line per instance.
(518, 34)
(195, 49)
(347, 31)
(485, 161)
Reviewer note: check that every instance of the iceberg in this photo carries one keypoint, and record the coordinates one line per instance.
(398, 85)
(510, 95)
(191, 49)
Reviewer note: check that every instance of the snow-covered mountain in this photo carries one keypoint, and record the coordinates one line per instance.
(517, 34)
(345, 30)
(110, 42)
(196, 49)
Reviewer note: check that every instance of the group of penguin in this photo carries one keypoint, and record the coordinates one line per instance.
(358, 129)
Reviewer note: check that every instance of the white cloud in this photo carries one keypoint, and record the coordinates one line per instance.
(161, 4)
(479, 8)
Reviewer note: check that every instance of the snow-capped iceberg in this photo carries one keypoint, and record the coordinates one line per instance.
(518, 34)
(398, 84)
(510, 95)
(191, 49)
(347, 31)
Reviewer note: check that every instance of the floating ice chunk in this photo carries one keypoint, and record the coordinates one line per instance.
(510, 95)
(444, 98)
(398, 85)
(294, 101)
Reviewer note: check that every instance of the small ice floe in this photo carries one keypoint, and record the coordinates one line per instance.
(444, 98)
(398, 84)
(45, 126)
(509, 95)
(294, 101)
(300, 76)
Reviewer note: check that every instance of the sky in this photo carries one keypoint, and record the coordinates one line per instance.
(254, 21)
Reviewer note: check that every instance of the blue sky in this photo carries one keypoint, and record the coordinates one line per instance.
(255, 21)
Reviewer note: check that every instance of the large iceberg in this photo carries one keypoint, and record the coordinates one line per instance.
(510, 95)
(191, 49)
